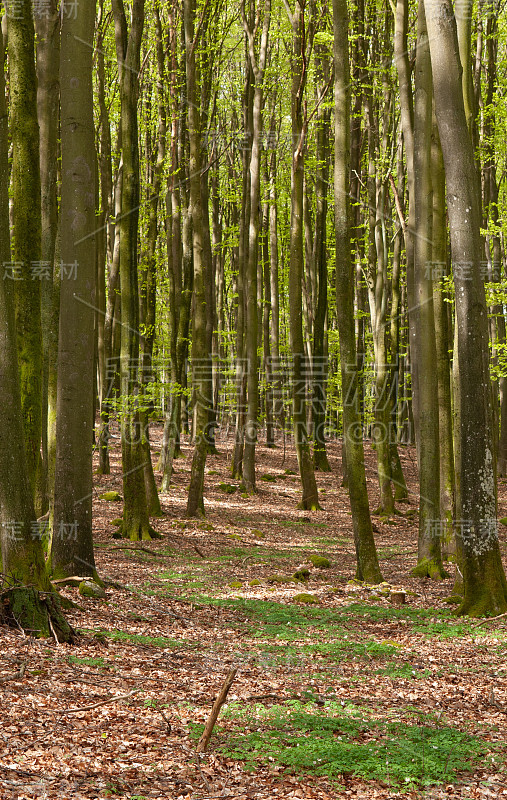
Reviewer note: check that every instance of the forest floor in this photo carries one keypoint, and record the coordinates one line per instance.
(349, 696)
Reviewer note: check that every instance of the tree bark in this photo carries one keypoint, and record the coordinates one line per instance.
(485, 586)
(366, 555)
(72, 541)
(23, 567)
(310, 499)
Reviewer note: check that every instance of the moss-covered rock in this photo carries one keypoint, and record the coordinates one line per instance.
(118, 522)
(454, 599)
(290, 472)
(304, 597)
(91, 589)
(228, 488)
(111, 496)
(302, 574)
(236, 585)
(427, 568)
(268, 478)
(213, 472)
(503, 521)
(321, 562)
(257, 533)
(234, 536)
(254, 582)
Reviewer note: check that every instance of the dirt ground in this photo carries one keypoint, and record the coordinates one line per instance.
(118, 713)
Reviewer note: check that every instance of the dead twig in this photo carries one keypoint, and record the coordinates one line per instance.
(215, 711)
(201, 773)
(96, 705)
(488, 619)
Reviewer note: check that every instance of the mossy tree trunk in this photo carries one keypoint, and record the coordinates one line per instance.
(26, 229)
(128, 47)
(485, 586)
(323, 156)
(366, 554)
(47, 28)
(201, 362)
(104, 240)
(29, 601)
(257, 65)
(310, 499)
(72, 540)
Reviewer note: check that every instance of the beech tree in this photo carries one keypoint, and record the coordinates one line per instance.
(485, 586)
(29, 597)
(72, 542)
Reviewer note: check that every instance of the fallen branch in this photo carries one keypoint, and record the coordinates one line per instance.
(488, 619)
(199, 552)
(102, 703)
(17, 675)
(215, 711)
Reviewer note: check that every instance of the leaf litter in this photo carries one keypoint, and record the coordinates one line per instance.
(118, 714)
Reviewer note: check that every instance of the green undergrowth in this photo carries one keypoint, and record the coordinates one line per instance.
(137, 638)
(336, 741)
(88, 662)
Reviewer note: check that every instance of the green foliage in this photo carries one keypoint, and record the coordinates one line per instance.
(336, 741)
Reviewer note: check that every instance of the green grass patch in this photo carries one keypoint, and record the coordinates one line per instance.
(88, 662)
(337, 741)
(396, 670)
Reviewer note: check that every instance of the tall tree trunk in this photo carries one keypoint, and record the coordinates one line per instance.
(148, 294)
(257, 65)
(366, 555)
(402, 53)
(23, 567)
(26, 229)
(72, 541)
(310, 499)
(439, 256)
(47, 27)
(429, 559)
(106, 200)
(128, 47)
(485, 586)
(320, 366)
(200, 357)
